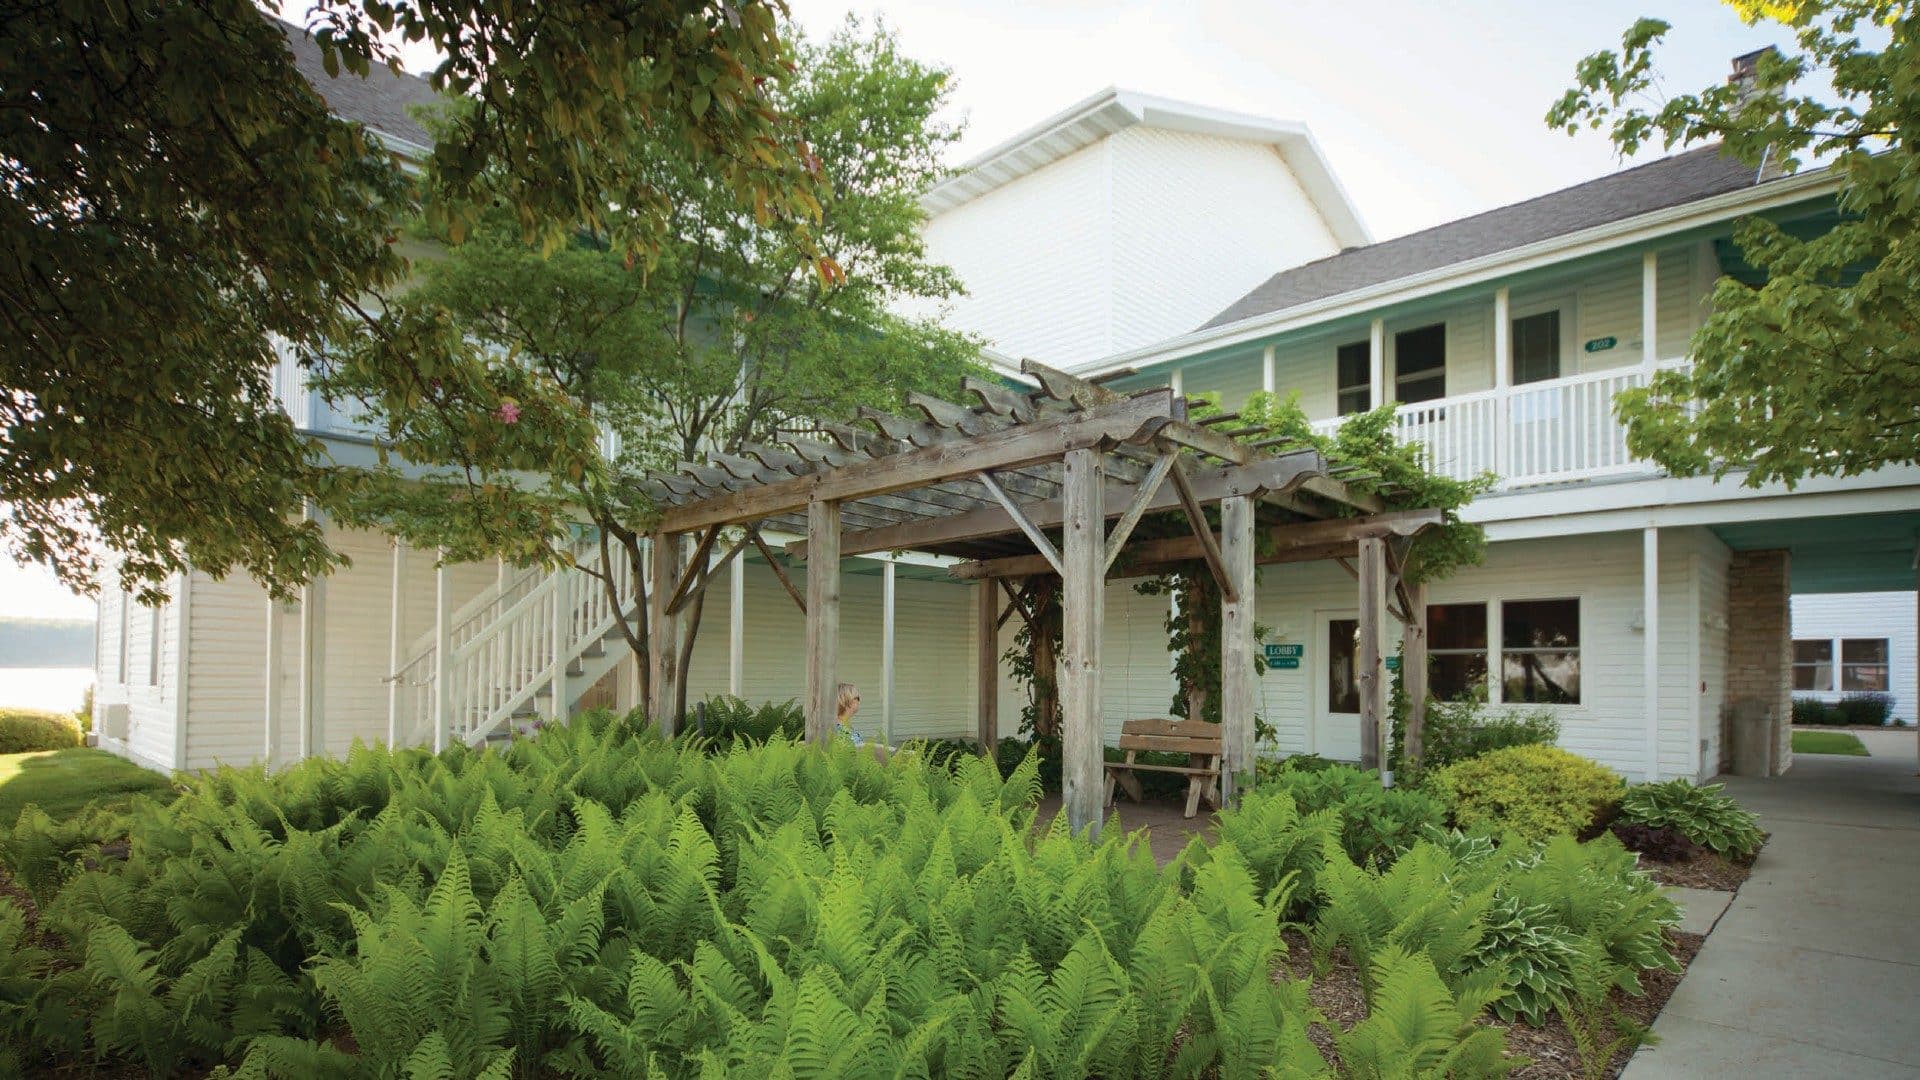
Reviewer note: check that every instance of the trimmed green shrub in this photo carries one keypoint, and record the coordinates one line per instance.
(26, 730)
(1536, 792)
(1865, 710)
(1706, 815)
(1456, 731)
(1813, 712)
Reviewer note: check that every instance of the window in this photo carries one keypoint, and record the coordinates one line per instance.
(1456, 650)
(1863, 664)
(1536, 347)
(1540, 651)
(1354, 377)
(1420, 363)
(1343, 665)
(1813, 665)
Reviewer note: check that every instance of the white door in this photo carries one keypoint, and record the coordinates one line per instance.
(1336, 694)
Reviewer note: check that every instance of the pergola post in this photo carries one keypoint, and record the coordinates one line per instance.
(1370, 664)
(823, 619)
(986, 664)
(1238, 696)
(1083, 607)
(1413, 676)
(663, 632)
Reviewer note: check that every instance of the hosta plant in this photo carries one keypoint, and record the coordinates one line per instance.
(1704, 814)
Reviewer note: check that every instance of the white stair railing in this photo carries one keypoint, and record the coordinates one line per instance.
(519, 652)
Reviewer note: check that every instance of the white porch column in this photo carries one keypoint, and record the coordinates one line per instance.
(1502, 378)
(396, 639)
(270, 713)
(886, 651)
(1178, 382)
(737, 625)
(1377, 364)
(1650, 644)
(563, 603)
(442, 654)
(1650, 309)
(1266, 370)
(1083, 611)
(313, 659)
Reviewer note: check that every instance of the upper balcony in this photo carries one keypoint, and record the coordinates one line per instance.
(1547, 432)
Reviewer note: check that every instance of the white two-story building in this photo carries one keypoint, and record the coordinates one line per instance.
(1141, 241)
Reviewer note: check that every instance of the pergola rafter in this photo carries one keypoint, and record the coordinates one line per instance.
(1046, 486)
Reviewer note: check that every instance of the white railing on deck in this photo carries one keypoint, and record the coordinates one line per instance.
(516, 647)
(1536, 433)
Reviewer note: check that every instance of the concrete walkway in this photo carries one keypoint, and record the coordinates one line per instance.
(1814, 970)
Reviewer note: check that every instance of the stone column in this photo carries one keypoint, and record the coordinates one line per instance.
(1760, 663)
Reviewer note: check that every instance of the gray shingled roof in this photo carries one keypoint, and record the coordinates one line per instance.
(380, 101)
(1671, 181)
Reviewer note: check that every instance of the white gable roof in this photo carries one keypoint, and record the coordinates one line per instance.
(1113, 110)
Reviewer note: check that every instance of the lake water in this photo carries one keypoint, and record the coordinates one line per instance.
(57, 689)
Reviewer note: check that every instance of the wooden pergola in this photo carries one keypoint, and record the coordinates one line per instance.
(1044, 484)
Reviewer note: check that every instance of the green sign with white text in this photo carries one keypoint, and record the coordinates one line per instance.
(1285, 657)
(1602, 344)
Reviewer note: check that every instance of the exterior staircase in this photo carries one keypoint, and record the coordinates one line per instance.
(524, 649)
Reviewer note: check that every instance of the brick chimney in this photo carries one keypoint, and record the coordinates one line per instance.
(1745, 81)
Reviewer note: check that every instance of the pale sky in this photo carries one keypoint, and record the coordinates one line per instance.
(1427, 111)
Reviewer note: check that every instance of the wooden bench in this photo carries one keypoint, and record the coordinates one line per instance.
(1199, 740)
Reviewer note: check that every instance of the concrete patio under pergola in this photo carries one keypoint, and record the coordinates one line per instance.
(1043, 487)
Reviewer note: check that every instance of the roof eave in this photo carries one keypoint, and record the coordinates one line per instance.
(1623, 233)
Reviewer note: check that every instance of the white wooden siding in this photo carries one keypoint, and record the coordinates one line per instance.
(1198, 222)
(150, 694)
(1887, 615)
(1712, 560)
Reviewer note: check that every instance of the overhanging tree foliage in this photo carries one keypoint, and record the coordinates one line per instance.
(1817, 371)
(174, 196)
(528, 360)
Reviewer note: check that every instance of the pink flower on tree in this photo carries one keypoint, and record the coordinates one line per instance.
(508, 412)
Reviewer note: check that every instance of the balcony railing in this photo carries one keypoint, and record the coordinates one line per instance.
(1536, 433)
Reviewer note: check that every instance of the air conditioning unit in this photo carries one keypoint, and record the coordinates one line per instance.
(114, 718)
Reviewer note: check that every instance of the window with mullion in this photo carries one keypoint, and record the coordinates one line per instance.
(1536, 347)
(1863, 664)
(1456, 650)
(1420, 363)
(1813, 665)
(1540, 651)
(1353, 385)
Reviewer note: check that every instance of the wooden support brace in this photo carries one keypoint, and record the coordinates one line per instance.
(778, 570)
(1137, 506)
(1209, 547)
(689, 592)
(1040, 542)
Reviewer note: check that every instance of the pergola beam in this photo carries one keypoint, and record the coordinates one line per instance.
(1304, 542)
(1264, 477)
(1026, 445)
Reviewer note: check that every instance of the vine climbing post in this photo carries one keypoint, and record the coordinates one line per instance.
(1370, 664)
(1237, 693)
(1083, 592)
(1413, 676)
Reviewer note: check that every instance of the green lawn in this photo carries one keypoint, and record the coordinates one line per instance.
(1828, 742)
(63, 781)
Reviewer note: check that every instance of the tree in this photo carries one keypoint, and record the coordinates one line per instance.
(728, 339)
(1815, 372)
(176, 199)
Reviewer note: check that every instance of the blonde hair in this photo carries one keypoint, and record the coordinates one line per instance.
(847, 701)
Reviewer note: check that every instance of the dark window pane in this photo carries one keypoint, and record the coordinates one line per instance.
(1425, 388)
(1864, 651)
(1809, 652)
(1536, 347)
(1813, 676)
(1871, 677)
(1456, 626)
(1541, 677)
(1355, 363)
(1456, 675)
(1354, 401)
(1419, 350)
(1343, 647)
(1536, 624)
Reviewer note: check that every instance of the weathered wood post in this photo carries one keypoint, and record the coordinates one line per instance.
(1371, 663)
(1239, 697)
(663, 631)
(1083, 603)
(1413, 676)
(823, 619)
(986, 664)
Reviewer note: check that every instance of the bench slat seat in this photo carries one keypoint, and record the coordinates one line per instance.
(1199, 740)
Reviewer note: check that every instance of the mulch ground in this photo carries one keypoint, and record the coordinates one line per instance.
(1704, 870)
(1550, 1048)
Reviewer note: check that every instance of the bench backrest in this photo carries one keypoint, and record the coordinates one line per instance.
(1178, 736)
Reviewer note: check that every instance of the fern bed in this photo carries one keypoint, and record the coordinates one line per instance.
(596, 901)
